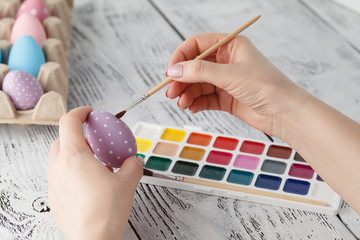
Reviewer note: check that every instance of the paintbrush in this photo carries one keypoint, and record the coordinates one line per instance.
(232, 187)
(200, 57)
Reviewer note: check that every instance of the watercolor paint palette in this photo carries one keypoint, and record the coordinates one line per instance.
(251, 170)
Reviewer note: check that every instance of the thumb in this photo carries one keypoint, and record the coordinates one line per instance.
(131, 170)
(195, 71)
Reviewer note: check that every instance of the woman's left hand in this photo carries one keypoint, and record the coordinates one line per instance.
(87, 199)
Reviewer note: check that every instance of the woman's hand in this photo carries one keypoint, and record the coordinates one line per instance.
(237, 79)
(87, 199)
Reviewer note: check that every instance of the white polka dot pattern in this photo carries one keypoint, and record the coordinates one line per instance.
(23, 89)
(36, 8)
(110, 138)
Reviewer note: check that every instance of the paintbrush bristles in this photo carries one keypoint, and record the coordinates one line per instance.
(137, 102)
(200, 57)
(148, 172)
(120, 114)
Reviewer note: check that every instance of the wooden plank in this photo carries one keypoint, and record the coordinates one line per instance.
(130, 234)
(350, 218)
(23, 182)
(165, 213)
(342, 20)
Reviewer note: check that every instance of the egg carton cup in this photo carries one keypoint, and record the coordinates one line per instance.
(50, 107)
(8, 8)
(53, 75)
(58, 25)
(54, 79)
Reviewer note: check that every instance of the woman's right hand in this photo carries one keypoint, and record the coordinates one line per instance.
(237, 79)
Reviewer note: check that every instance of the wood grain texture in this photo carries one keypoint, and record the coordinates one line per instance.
(23, 166)
(118, 51)
(165, 213)
(342, 20)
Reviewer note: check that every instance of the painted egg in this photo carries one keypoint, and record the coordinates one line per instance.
(110, 138)
(27, 24)
(37, 8)
(23, 89)
(26, 55)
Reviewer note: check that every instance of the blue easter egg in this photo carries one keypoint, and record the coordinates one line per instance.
(26, 55)
(0, 57)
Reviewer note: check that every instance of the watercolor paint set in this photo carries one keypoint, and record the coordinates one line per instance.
(251, 170)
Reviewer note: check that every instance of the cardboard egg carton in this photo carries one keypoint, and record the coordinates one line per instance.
(53, 75)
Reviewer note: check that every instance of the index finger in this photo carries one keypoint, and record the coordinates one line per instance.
(70, 127)
(194, 46)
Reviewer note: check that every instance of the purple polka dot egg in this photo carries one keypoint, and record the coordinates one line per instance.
(23, 89)
(110, 138)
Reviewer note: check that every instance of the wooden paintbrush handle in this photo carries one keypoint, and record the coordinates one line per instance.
(208, 52)
(251, 191)
(160, 86)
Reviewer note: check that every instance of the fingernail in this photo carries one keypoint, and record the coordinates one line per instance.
(140, 158)
(175, 71)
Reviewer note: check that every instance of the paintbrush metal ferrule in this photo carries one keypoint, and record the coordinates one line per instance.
(168, 177)
(178, 178)
(137, 102)
(150, 173)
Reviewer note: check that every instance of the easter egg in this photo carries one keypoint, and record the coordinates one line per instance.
(26, 55)
(23, 89)
(27, 24)
(110, 138)
(37, 8)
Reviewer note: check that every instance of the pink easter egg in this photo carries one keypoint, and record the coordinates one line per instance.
(37, 8)
(110, 138)
(23, 89)
(29, 25)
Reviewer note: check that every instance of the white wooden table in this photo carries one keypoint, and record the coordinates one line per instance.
(120, 49)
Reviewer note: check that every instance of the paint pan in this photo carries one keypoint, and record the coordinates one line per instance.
(247, 169)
